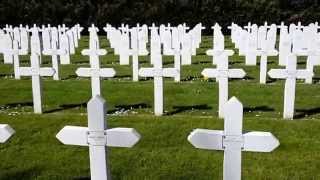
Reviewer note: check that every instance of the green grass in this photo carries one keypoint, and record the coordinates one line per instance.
(163, 151)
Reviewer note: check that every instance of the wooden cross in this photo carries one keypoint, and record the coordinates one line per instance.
(95, 72)
(232, 140)
(222, 73)
(36, 72)
(158, 73)
(290, 74)
(97, 137)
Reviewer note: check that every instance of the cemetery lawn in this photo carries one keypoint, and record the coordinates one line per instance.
(163, 151)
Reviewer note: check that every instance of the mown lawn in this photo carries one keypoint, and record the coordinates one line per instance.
(163, 151)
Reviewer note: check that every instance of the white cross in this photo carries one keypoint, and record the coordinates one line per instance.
(55, 52)
(97, 137)
(282, 25)
(176, 46)
(124, 48)
(222, 73)
(248, 27)
(35, 71)
(46, 39)
(24, 39)
(123, 28)
(71, 42)
(95, 72)
(264, 52)
(5, 132)
(15, 52)
(232, 140)
(158, 73)
(313, 53)
(285, 43)
(63, 28)
(218, 43)
(7, 44)
(186, 51)
(64, 44)
(17, 35)
(153, 27)
(290, 74)
(135, 54)
(251, 47)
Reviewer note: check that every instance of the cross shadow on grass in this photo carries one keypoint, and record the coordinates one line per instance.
(257, 109)
(202, 62)
(70, 77)
(316, 79)
(302, 113)
(180, 109)
(128, 107)
(122, 76)
(81, 178)
(5, 75)
(269, 81)
(190, 78)
(66, 107)
(25, 174)
(15, 105)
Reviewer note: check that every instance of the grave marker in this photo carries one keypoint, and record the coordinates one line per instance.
(158, 73)
(97, 137)
(290, 74)
(15, 52)
(222, 73)
(36, 72)
(95, 72)
(55, 52)
(232, 140)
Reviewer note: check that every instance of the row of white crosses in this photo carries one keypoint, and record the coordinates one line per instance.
(35, 71)
(54, 43)
(232, 140)
(175, 41)
(297, 39)
(291, 73)
(222, 73)
(301, 41)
